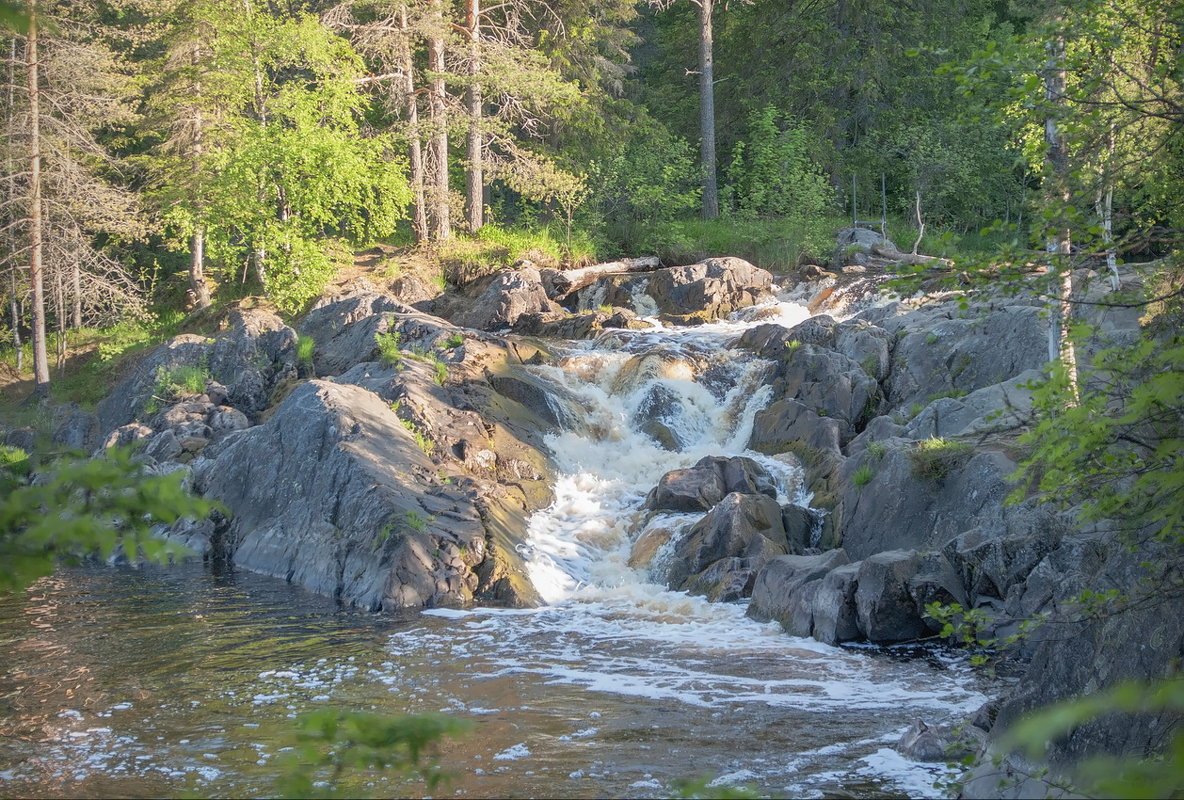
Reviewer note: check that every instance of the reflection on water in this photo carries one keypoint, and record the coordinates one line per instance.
(145, 683)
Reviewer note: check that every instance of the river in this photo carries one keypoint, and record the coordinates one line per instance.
(153, 681)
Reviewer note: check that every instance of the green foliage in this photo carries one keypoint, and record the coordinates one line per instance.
(388, 348)
(454, 341)
(1132, 777)
(440, 371)
(704, 789)
(173, 385)
(1116, 448)
(953, 394)
(934, 458)
(415, 521)
(777, 244)
(773, 171)
(863, 475)
(496, 247)
(333, 745)
(877, 450)
(305, 346)
(647, 176)
(83, 507)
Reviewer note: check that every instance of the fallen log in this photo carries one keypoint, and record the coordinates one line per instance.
(564, 282)
(908, 259)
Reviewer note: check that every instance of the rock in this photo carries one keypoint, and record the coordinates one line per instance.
(994, 557)
(940, 349)
(741, 525)
(883, 603)
(788, 425)
(992, 409)
(347, 504)
(726, 580)
(657, 416)
(344, 330)
(852, 242)
(223, 420)
(938, 743)
(803, 527)
(700, 487)
(510, 295)
(641, 555)
(897, 508)
(127, 434)
(778, 582)
(76, 429)
(834, 615)
(255, 354)
(935, 582)
(711, 288)
(832, 386)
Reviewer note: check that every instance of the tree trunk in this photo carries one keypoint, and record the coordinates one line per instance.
(197, 275)
(707, 111)
(1060, 344)
(439, 119)
(474, 172)
(76, 295)
(197, 255)
(414, 142)
(14, 304)
(40, 353)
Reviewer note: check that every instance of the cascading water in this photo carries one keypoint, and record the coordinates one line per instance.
(617, 687)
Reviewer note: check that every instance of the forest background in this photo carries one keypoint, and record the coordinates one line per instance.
(183, 152)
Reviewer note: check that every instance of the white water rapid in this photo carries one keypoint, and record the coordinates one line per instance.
(620, 635)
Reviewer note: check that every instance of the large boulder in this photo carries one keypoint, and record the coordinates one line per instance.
(884, 604)
(776, 594)
(834, 616)
(710, 289)
(740, 525)
(941, 349)
(510, 295)
(701, 486)
(346, 503)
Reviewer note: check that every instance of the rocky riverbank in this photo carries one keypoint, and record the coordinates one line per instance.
(399, 464)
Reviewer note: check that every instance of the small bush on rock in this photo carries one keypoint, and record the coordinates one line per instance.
(935, 458)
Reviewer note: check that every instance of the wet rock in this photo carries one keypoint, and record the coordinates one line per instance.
(779, 581)
(700, 487)
(802, 527)
(712, 288)
(788, 425)
(641, 555)
(834, 614)
(938, 743)
(725, 581)
(883, 602)
(740, 525)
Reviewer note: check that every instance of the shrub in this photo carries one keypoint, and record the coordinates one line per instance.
(441, 369)
(935, 458)
(305, 345)
(173, 384)
(388, 348)
(877, 450)
(863, 475)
